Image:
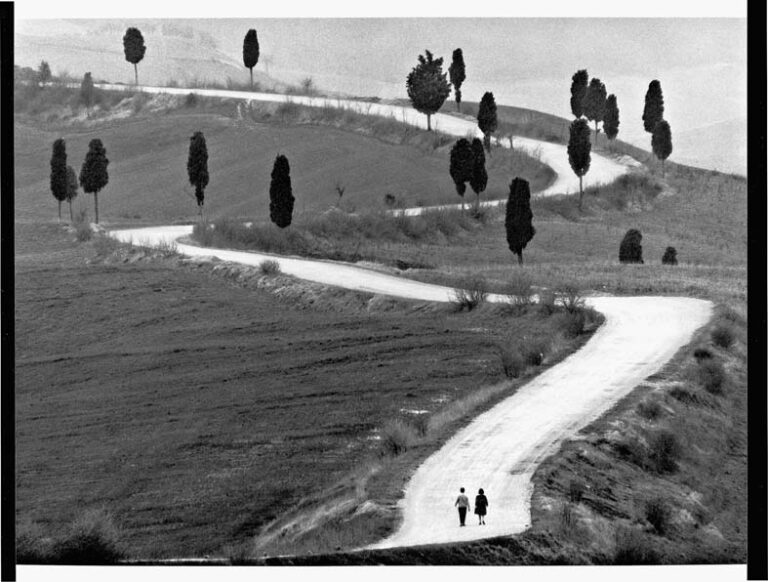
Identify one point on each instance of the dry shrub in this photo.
(520, 291)
(512, 361)
(573, 323)
(633, 548)
(576, 490)
(723, 336)
(650, 410)
(397, 436)
(472, 292)
(93, 539)
(664, 450)
(269, 267)
(657, 513)
(710, 375)
(547, 302)
(32, 547)
(82, 226)
(535, 351)
(571, 298)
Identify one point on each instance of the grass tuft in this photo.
(397, 436)
(93, 539)
(471, 293)
(269, 267)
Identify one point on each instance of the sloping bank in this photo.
(500, 449)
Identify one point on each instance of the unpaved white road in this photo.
(500, 449)
(602, 170)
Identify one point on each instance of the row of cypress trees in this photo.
(93, 174)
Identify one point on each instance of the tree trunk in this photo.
(71, 216)
(477, 204)
(251, 78)
(429, 122)
(96, 203)
(59, 210)
(581, 192)
(458, 105)
(662, 168)
(487, 141)
(595, 132)
(520, 258)
(136, 73)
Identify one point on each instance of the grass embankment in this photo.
(196, 412)
(368, 157)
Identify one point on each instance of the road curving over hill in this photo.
(602, 170)
(500, 449)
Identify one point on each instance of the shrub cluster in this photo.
(650, 410)
(723, 336)
(269, 267)
(397, 436)
(664, 450)
(657, 513)
(634, 548)
(471, 293)
(710, 375)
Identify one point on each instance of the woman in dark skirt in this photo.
(481, 504)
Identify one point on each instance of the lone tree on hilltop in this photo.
(44, 73)
(133, 46)
(653, 112)
(486, 118)
(593, 105)
(611, 118)
(251, 51)
(427, 86)
(670, 256)
(661, 142)
(59, 172)
(479, 179)
(462, 166)
(630, 250)
(458, 74)
(197, 168)
(280, 193)
(579, 83)
(93, 173)
(579, 148)
(71, 189)
(86, 93)
(519, 219)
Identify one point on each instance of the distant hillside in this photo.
(720, 146)
(174, 52)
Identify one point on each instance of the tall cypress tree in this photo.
(661, 142)
(280, 193)
(458, 75)
(593, 105)
(462, 166)
(71, 189)
(579, 83)
(93, 173)
(479, 179)
(427, 86)
(134, 49)
(197, 168)
(611, 119)
(579, 150)
(519, 219)
(251, 51)
(59, 172)
(486, 118)
(653, 112)
(86, 92)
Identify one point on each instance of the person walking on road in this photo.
(481, 504)
(462, 502)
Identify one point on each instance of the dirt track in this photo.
(500, 449)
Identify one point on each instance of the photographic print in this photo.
(431, 289)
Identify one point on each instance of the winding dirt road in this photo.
(500, 449)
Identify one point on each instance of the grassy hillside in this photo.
(147, 142)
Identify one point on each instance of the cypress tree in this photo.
(59, 172)
(86, 92)
(593, 105)
(661, 142)
(479, 179)
(93, 173)
(519, 217)
(134, 49)
(197, 168)
(462, 166)
(611, 119)
(458, 75)
(44, 72)
(427, 86)
(251, 51)
(630, 250)
(579, 83)
(653, 112)
(280, 193)
(486, 118)
(71, 189)
(579, 148)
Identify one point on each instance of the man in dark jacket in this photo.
(462, 502)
